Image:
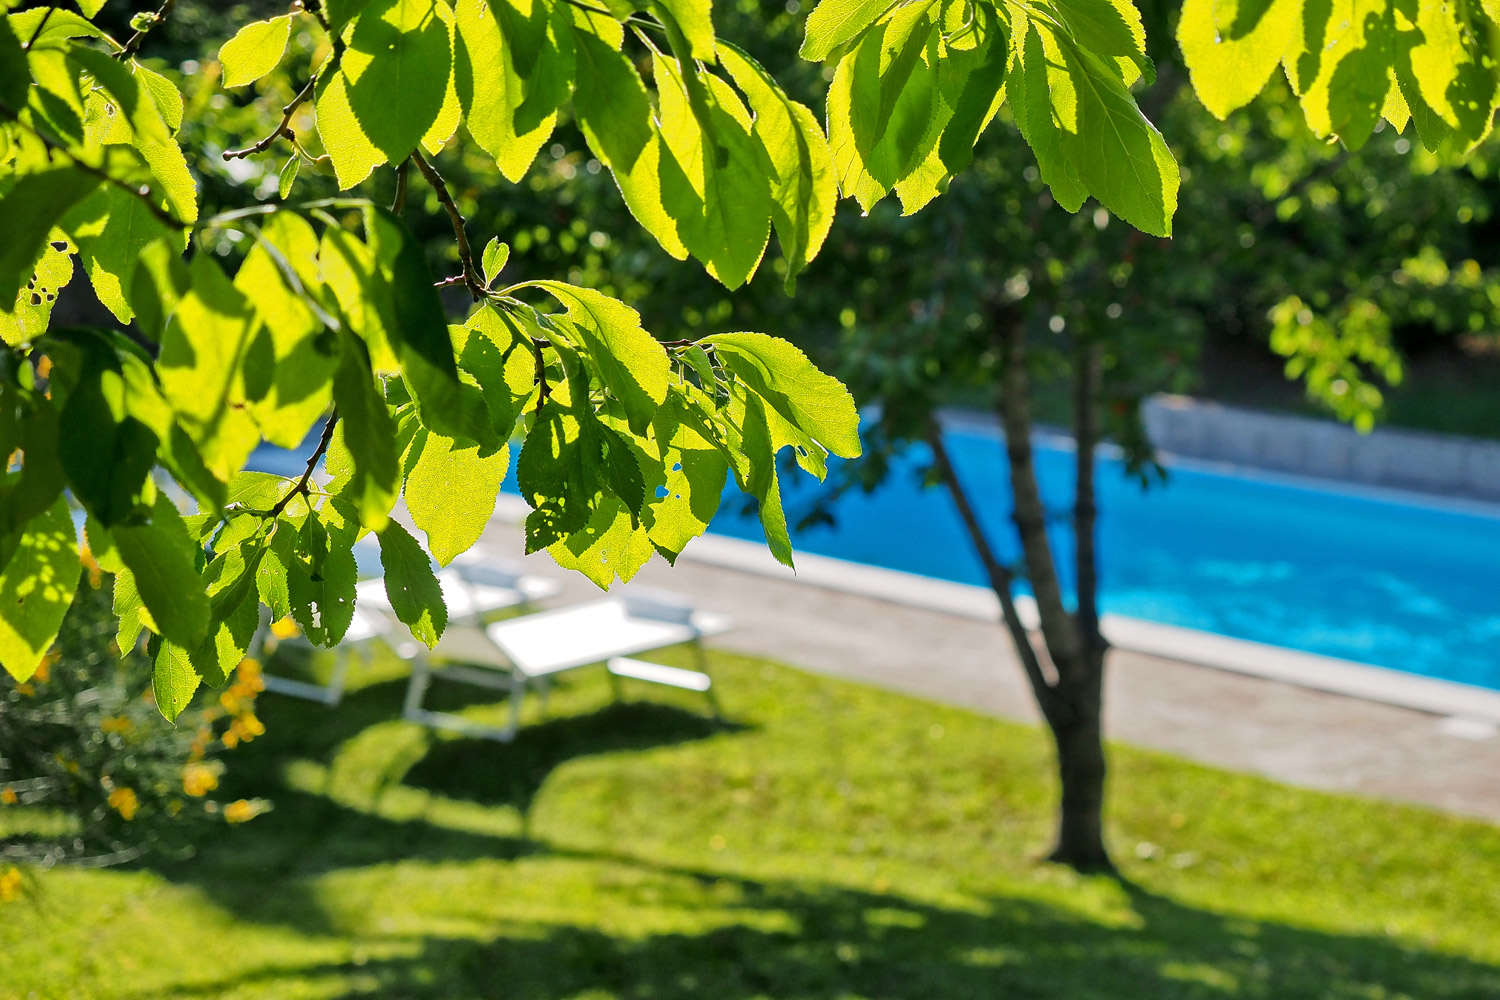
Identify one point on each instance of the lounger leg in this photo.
(416, 689)
(517, 692)
(335, 692)
(701, 656)
(544, 688)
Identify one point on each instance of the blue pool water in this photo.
(1393, 580)
(1386, 579)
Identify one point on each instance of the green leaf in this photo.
(255, 50)
(691, 473)
(202, 352)
(1343, 68)
(101, 416)
(27, 214)
(112, 229)
(758, 477)
(33, 306)
(805, 192)
(363, 456)
(559, 471)
(271, 576)
(59, 24)
(173, 679)
(814, 402)
(614, 112)
(1231, 47)
(416, 314)
(129, 610)
(414, 593)
(134, 103)
(1088, 134)
(291, 358)
(341, 12)
(632, 365)
(288, 176)
(521, 54)
(15, 78)
(835, 22)
(612, 544)
(389, 88)
(695, 20)
(91, 8)
(493, 262)
(36, 587)
(715, 179)
(450, 491)
(321, 577)
(161, 557)
(235, 607)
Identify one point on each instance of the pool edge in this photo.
(1173, 642)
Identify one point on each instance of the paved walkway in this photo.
(1242, 723)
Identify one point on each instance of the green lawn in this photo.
(833, 842)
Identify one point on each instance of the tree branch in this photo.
(1087, 377)
(133, 43)
(283, 129)
(399, 202)
(465, 252)
(312, 462)
(1058, 628)
(1002, 580)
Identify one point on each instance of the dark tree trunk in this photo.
(1078, 733)
(1071, 698)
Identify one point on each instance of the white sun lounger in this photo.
(512, 654)
(472, 588)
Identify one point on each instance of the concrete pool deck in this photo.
(1232, 720)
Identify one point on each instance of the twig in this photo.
(301, 488)
(465, 252)
(133, 43)
(285, 128)
(399, 202)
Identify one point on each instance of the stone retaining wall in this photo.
(1430, 463)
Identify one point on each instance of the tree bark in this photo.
(1081, 768)
(1072, 704)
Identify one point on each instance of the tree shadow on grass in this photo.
(788, 940)
(513, 773)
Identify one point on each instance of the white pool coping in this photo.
(1288, 666)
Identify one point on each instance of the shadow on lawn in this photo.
(776, 940)
(835, 943)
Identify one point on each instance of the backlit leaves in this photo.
(1352, 63)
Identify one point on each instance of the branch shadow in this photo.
(820, 942)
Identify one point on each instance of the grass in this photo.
(832, 842)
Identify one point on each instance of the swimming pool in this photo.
(1395, 580)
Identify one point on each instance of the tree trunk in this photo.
(1078, 733)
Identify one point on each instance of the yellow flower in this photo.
(116, 724)
(44, 669)
(10, 884)
(199, 779)
(124, 802)
(243, 810)
(25, 689)
(286, 629)
(8, 796)
(231, 701)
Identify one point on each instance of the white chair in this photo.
(472, 588)
(513, 654)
